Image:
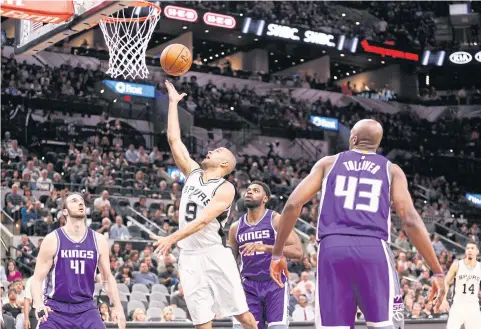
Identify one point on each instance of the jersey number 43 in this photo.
(351, 192)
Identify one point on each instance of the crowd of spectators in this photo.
(407, 23)
(278, 109)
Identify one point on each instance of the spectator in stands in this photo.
(303, 311)
(168, 314)
(125, 275)
(44, 183)
(102, 201)
(28, 216)
(427, 312)
(144, 275)
(438, 245)
(14, 202)
(402, 241)
(27, 195)
(169, 276)
(11, 306)
(12, 271)
(104, 311)
(105, 228)
(32, 171)
(118, 230)
(92, 182)
(139, 315)
(15, 153)
(178, 300)
(131, 155)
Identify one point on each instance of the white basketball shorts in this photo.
(212, 284)
(464, 313)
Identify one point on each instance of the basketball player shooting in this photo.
(66, 269)
(355, 267)
(208, 271)
(466, 275)
(254, 235)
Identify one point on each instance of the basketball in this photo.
(176, 59)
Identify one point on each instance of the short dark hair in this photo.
(473, 243)
(266, 188)
(64, 202)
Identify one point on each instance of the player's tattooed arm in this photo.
(107, 277)
(232, 239)
(180, 153)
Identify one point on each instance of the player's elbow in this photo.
(297, 254)
(292, 206)
(410, 219)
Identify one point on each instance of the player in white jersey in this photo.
(208, 271)
(466, 275)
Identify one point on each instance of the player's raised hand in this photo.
(438, 293)
(279, 266)
(163, 244)
(174, 95)
(41, 313)
(250, 248)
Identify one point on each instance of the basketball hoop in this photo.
(127, 36)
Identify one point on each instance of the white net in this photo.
(127, 34)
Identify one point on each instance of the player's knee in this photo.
(247, 320)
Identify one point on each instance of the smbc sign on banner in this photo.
(293, 33)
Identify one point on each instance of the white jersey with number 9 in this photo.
(196, 194)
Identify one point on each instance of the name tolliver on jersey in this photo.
(196, 195)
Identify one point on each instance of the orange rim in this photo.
(140, 3)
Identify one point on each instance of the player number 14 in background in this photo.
(78, 266)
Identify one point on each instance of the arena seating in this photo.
(123, 181)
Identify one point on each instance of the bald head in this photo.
(366, 135)
(231, 161)
(220, 158)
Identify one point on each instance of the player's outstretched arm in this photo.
(304, 192)
(232, 239)
(220, 202)
(412, 223)
(414, 227)
(179, 151)
(108, 279)
(447, 282)
(47, 252)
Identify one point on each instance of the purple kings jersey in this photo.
(70, 283)
(256, 266)
(356, 197)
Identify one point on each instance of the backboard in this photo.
(40, 24)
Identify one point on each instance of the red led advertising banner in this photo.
(388, 51)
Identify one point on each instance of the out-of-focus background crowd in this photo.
(64, 130)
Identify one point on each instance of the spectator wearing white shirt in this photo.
(44, 183)
(118, 229)
(303, 311)
(155, 155)
(32, 171)
(131, 155)
(102, 202)
(15, 152)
